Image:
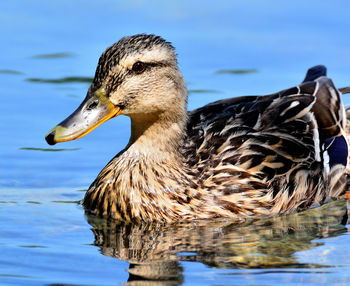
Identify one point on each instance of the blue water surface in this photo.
(49, 52)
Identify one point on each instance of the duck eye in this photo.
(138, 67)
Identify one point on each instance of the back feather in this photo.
(276, 140)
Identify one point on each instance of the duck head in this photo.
(138, 76)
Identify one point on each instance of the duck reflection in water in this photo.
(154, 250)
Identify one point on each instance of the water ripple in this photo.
(236, 71)
(53, 56)
(49, 149)
(62, 80)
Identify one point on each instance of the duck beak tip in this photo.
(50, 137)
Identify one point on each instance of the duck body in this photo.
(234, 158)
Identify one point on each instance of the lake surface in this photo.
(49, 52)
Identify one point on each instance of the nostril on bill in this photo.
(92, 105)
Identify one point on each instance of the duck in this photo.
(235, 158)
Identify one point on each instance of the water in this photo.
(49, 52)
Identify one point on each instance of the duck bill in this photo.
(91, 113)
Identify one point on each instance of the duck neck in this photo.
(157, 133)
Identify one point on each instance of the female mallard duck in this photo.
(233, 158)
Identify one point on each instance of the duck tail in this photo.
(330, 114)
(328, 108)
(346, 133)
(345, 90)
(315, 72)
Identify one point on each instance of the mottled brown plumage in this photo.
(233, 158)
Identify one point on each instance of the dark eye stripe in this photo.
(137, 67)
(116, 79)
